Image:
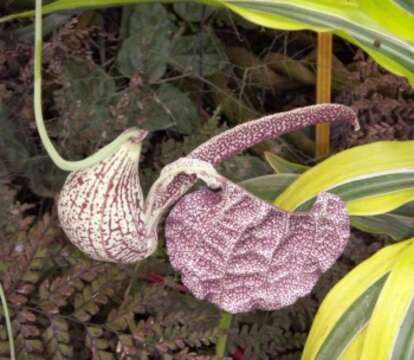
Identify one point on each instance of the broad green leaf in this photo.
(351, 323)
(370, 187)
(192, 12)
(381, 203)
(50, 24)
(404, 345)
(386, 337)
(186, 57)
(387, 35)
(383, 168)
(395, 15)
(169, 107)
(91, 87)
(398, 227)
(346, 309)
(405, 210)
(280, 165)
(147, 49)
(267, 187)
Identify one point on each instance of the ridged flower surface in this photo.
(101, 208)
(243, 254)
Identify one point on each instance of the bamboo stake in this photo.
(323, 89)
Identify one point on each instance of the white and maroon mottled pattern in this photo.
(101, 208)
(243, 254)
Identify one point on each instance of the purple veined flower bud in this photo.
(101, 208)
(242, 253)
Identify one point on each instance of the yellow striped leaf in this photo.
(386, 337)
(347, 308)
(354, 349)
(364, 172)
(391, 44)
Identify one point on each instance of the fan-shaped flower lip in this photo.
(244, 254)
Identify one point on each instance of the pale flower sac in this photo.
(103, 211)
(101, 208)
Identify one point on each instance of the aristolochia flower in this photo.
(231, 247)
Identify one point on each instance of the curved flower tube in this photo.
(102, 208)
(233, 141)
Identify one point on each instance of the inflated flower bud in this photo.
(101, 208)
(103, 211)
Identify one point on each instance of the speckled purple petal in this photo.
(243, 254)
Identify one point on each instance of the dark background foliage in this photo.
(185, 72)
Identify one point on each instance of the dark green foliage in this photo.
(148, 45)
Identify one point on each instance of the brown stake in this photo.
(323, 89)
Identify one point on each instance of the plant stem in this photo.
(8, 323)
(224, 326)
(63, 164)
(323, 89)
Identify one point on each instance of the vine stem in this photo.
(8, 323)
(60, 162)
(224, 326)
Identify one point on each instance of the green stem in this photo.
(63, 164)
(224, 326)
(8, 323)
